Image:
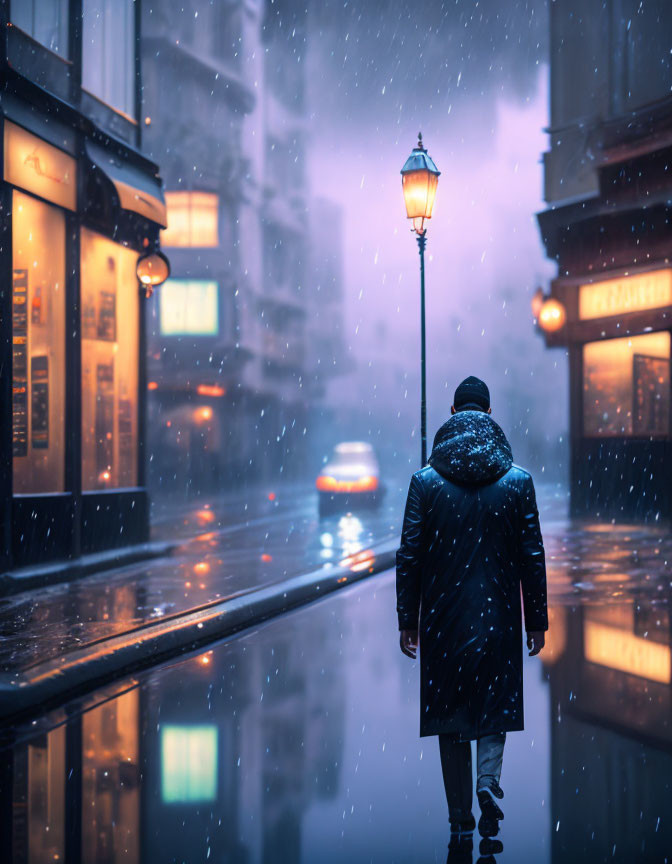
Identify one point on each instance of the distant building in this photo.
(79, 202)
(198, 93)
(280, 372)
(229, 366)
(608, 184)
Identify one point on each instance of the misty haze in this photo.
(337, 431)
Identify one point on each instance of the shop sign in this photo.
(626, 294)
(38, 167)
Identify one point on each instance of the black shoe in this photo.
(460, 849)
(488, 824)
(463, 826)
(490, 846)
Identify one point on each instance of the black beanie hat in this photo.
(472, 395)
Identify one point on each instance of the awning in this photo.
(138, 191)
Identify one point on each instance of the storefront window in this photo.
(110, 315)
(108, 52)
(38, 346)
(192, 219)
(45, 20)
(626, 386)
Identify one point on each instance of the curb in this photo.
(41, 576)
(50, 684)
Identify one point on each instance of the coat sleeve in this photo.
(533, 562)
(409, 559)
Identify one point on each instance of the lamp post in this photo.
(419, 179)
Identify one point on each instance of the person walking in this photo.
(470, 540)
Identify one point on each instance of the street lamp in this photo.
(152, 269)
(552, 315)
(419, 179)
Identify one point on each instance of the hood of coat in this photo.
(471, 449)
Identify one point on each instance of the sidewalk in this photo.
(68, 637)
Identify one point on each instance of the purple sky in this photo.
(484, 259)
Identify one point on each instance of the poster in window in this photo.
(107, 303)
(89, 325)
(36, 307)
(651, 395)
(126, 450)
(104, 422)
(20, 362)
(39, 402)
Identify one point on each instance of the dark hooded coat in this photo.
(470, 540)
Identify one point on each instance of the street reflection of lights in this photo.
(349, 527)
(266, 557)
(342, 579)
(205, 659)
(205, 515)
(202, 567)
(208, 537)
(618, 649)
(360, 561)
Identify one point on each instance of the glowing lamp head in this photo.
(419, 180)
(152, 270)
(552, 316)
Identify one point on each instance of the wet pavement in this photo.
(297, 741)
(230, 545)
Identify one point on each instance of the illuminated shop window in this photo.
(188, 764)
(109, 303)
(626, 386)
(38, 346)
(45, 20)
(108, 52)
(188, 308)
(192, 219)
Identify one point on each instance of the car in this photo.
(350, 479)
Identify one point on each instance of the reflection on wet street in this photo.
(298, 741)
(229, 547)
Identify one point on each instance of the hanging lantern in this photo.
(152, 269)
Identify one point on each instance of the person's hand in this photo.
(536, 640)
(408, 642)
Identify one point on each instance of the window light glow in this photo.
(192, 219)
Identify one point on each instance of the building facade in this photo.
(79, 203)
(224, 115)
(608, 185)
(200, 104)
